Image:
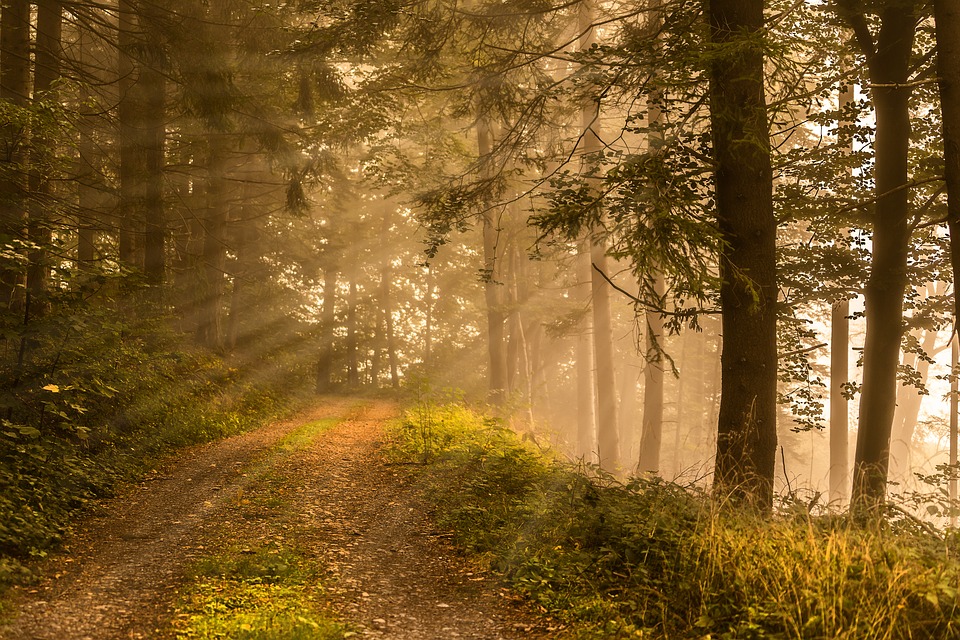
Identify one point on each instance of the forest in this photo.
(705, 246)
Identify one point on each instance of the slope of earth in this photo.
(388, 572)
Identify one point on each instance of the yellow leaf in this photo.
(52, 388)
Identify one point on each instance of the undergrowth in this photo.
(263, 593)
(97, 400)
(656, 560)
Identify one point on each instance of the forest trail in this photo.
(389, 572)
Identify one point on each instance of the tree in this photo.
(46, 73)
(608, 427)
(15, 92)
(746, 433)
(888, 63)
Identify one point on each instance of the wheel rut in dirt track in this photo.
(389, 572)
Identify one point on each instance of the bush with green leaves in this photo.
(92, 396)
(648, 558)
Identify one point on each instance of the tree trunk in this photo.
(46, 73)
(608, 428)
(353, 373)
(652, 430)
(608, 434)
(909, 403)
(209, 322)
(14, 88)
(327, 320)
(629, 399)
(154, 134)
(747, 423)
(954, 422)
(839, 378)
(496, 347)
(586, 407)
(90, 187)
(883, 297)
(130, 112)
(386, 306)
(428, 317)
(947, 16)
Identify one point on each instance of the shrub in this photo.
(653, 559)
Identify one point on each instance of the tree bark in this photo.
(327, 320)
(747, 423)
(14, 88)
(353, 372)
(89, 174)
(496, 346)
(154, 135)
(608, 428)
(608, 434)
(46, 73)
(651, 433)
(839, 378)
(130, 112)
(888, 63)
(947, 16)
(386, 306)
(586, 407)
(209, 322)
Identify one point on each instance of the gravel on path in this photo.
(390, 573)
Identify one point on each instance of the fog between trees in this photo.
(705, 242)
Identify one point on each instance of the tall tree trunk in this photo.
(14, 88)
(327, 321)
(608, 428)
(954, 421)
(586, 407)
(947, 16)
(888, 62)
(209, 323)
(130, 114)
(840, 376)
(909, 403)
(386, 306)
(154, 135)
(493, 295)
(46, 73)
(90, 187)
(428, 317)
(353, 372)
(629, 400)
(652, 430)
(747, 424)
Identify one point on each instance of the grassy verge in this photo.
(654, 560)
(251, 593)
(262, 585)
(111, 410)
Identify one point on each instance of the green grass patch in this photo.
(655, 560)
(265, 593)
(302, 436)
(260, 586)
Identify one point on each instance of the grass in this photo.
(652, 559)
(260, 586)
(264, 593)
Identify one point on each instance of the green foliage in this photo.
(253, 594)
(653, 559)
(90, 399)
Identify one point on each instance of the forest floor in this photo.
(386, 570)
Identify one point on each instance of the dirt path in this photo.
(391, 574)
